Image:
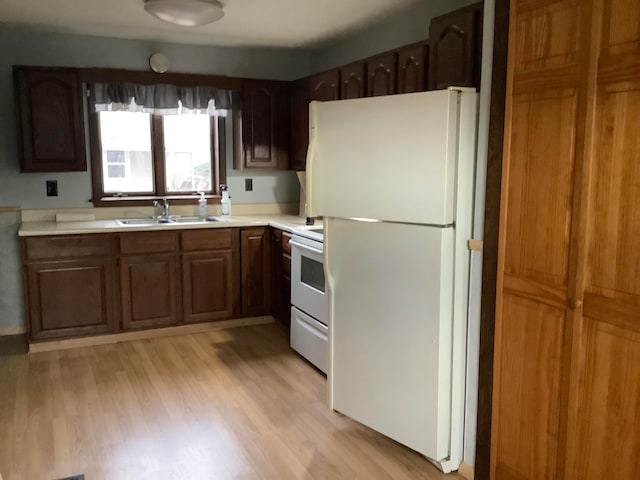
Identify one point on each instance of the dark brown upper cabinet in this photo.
(299, 133)
(455, 48)
(50, 119)
(381, 75)
(412, 62)
(261, 125)
(353, 79)
(325, 86)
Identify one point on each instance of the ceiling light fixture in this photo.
(186, 13)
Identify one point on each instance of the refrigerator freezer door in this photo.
(388, 158)
(390, 309)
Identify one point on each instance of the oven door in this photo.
(307, 278)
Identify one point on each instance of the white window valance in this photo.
(161, 99)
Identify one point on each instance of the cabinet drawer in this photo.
(286, 247)
(151, 242)
(69, 246)
(214, 239)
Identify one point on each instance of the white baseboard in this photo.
(17, 330)
(466, 470)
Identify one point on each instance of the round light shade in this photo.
(186, 13)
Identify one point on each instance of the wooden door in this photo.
(325, 86)
(149, 290)
(381, 75)
(352, 81)
(412, 68)
(567, 348)
(261, 128)
(256, 271)
(70, 298)
(455, 46)
(49, 105)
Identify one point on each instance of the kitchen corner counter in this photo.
(34, 229)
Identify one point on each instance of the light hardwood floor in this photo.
(234, 403)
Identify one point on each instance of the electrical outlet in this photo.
(248, 184)
(52, 188)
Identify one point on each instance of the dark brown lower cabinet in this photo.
(70, 298)
(281, 276)
(255, 257)
(150, 294)
(210, 275)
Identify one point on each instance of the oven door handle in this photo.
(305, 247)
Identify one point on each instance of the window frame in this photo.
(100, 198)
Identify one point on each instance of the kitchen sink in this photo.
(164, 221)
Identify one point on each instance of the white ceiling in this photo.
(276, 23)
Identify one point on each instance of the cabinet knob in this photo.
(575, 304)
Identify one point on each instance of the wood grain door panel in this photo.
(70, 298)
(149, 291)
(324, 87)
(536, 197)
(353, 81)
(614, 253)
(609, 433)
(208, 286)
(381, 75)
(412, 68)
(454, 48)
(529, 401)
(51, 120)
(256, 271)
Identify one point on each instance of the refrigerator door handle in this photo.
(311, 155)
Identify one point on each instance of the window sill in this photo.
(139, 200)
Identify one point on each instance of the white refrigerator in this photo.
(393, 178)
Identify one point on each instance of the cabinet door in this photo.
(353, 79)
(49, 104)
(280, 276)
(149, 291)
(261, 126)
(256, 272)
(299, 128)
(70, 298)
(208, 286)
(381, 75)
(412, 68)
(325, 86)
(455, 43)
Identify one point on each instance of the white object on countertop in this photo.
(202, 206)
(75, 217)
(225, 203)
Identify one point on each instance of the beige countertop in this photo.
(33, 229)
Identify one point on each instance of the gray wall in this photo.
(19, 46)
(409, 26)
(11, 307)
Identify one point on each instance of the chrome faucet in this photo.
(163, 208)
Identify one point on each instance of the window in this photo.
(172, 151)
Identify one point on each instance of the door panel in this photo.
(547, 37)
(529, 403)
(614, 252)
(535, 196)
(609, 433)
(621, 27)
(149, 293)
